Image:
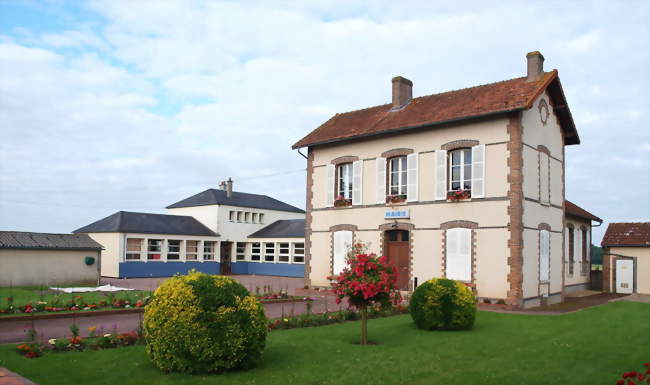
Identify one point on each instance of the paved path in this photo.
(11, 378)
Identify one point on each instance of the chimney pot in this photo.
(535, 66)
(229, 187)
(402, 91)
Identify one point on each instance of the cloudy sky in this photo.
(134, 105)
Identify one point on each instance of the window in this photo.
(256, 251)
(133, 248)
(283, 252)
(232, 216)
(261, 218)
(460, 169)
(397, 176)
(173, 249)
(240, 252)
(154, 248)
(344, 181)
(239, 213)
(247, 217)
(208, 250)
(544, 255)
(571, 250)
(191, 250)
(459, 254)
(298, 253)
(254, 217)
(269, 252)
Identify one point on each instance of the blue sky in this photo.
(123, 105)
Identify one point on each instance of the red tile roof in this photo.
(577, 211)
(453, 106)
(627, 234)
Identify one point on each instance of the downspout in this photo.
(303, 155)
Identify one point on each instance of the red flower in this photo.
(620, 382)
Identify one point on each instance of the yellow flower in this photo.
(286, 320)
(92, 328)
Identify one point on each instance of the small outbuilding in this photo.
(626, 258)
(28, 258)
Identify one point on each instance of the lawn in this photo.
(33, 294)
(593, 346)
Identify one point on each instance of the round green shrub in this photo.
(443, 304)
(200, 323)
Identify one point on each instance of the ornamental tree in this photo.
(367, 280)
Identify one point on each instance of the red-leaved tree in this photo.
(367, 280)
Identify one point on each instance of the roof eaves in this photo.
(407, 128)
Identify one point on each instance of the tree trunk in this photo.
(364, 325)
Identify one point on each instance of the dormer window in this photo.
(397, 176)
(460, 169)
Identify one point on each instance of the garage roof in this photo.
(147, 223)
(29, 240)
(286, 228)
(627, 234)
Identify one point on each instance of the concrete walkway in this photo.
(10, 378)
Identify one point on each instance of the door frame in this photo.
(225, 265)
(384, 245)
(629, 260)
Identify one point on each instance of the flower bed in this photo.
(342, 202)
(97, 339)
(458, 195)
(395, 198)
(75, 303)
(320, 319)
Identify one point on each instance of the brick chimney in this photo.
(535, 66)
(402, 92)
(229, 187)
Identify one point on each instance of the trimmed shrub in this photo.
(443, 304)
(200, 323)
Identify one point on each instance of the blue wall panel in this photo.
(165, 269)
(279, 269)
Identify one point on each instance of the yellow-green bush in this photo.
(204, 323)
(443, 304)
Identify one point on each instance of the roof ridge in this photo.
(36, 232)
(444, 93)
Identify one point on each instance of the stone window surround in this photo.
(547, 227)
(465, 225)
(458, 144)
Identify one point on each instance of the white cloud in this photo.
(88, 112)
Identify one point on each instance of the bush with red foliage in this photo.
(631, 377)
(367, 280)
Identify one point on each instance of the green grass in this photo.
(593, 346)
(26, 294)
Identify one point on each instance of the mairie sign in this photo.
(396, 214)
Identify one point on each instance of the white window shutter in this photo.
(588, 244)
(357, 182)
(342, 243)
(544, 255)
(566, 244)
(441, 175)
(478, 171)
(459, 254)
(331, 172)
(381, 179)
(412, 177)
